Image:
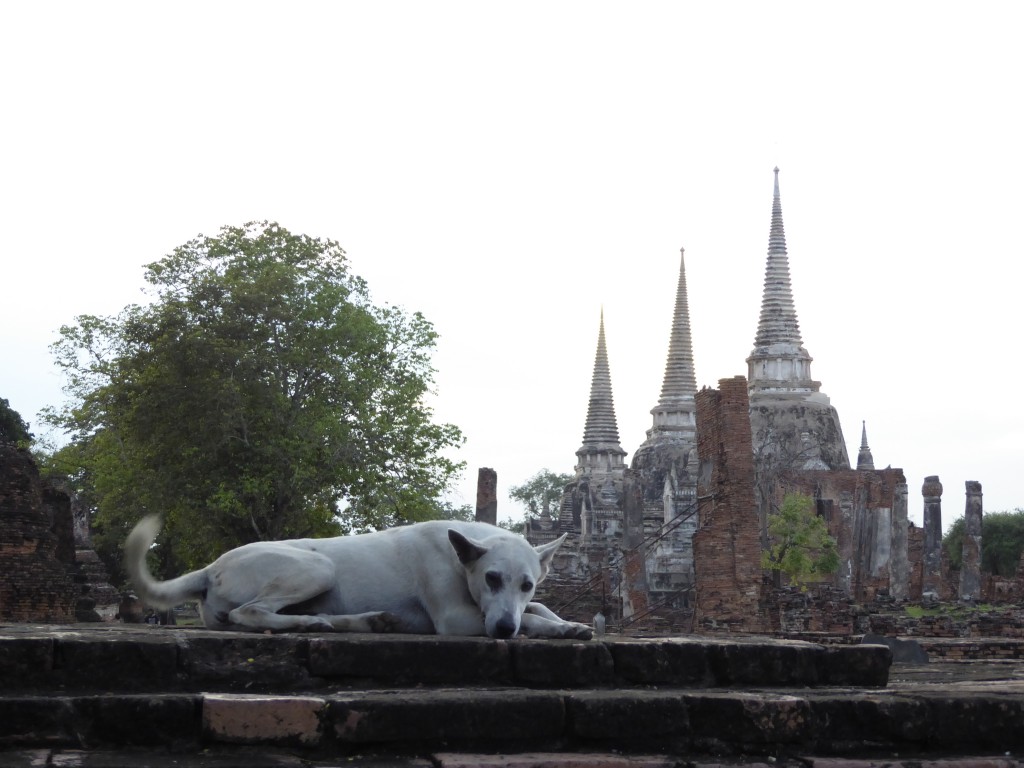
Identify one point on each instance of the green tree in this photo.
(259, 395)
(1002, 542)
(801, 546)
(13, 428)
(542, 491)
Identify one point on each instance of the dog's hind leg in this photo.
(275, 579)
(374, 621)
(262, 613)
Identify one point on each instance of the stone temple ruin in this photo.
(49, 572)
(673, 540)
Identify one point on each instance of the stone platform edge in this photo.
(165, 659)
(410, 722)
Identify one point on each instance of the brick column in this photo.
(899, 572)
(970, 569)
(487, 496)
(931, 581)
(726, 546)
(636, 593)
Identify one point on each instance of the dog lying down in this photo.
(443, 577)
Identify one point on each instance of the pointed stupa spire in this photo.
(601, 448)
(779, 360)
(790, 417)
(864, 458)
(680, 380)
(778, 314)
(675, 410)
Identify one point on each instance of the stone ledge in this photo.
(165, 659)
(840, 722)
(237, 758)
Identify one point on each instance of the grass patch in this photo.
(952, 610)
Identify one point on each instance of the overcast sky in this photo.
(509, 169)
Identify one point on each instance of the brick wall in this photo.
(35, 586)
(858, 507)
(726, 546)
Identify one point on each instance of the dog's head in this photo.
(502, 572)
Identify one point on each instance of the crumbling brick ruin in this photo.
(726, 546)
(866, 512)
(36, 544)
(48, 569)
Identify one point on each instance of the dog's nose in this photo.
(505, 628)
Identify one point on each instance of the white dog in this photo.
(444, 577)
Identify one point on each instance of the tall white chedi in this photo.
(666, 461)
(792, 420)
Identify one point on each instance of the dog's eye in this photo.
(527, 586)
(493, 580)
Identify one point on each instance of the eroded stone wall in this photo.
(35, 584)
(860, 507)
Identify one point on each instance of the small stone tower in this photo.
(864, 458)
(793, 423)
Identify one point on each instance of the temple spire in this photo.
(675, 410)
(601, 449)
(778, 314)
(778, 361)
(680, 381)
(791, 419)
(864, 458)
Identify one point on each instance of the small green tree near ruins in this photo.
(800, 544)
(542, 491)
(1002, 542)
(259, 395)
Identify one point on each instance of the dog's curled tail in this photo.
(159, 594)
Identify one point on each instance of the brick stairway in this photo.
(156, 696)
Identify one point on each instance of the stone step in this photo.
(974, 720)
(239, 758)
(125, 658)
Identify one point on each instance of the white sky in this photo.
(509, 169)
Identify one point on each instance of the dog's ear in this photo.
(546, 553)
(469, 551)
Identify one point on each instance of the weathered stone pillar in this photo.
(487, 496)
(636, 590)
(970, 569)
(846, 543)
(931, 583)
(899, 572)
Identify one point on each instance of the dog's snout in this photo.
(505, 628)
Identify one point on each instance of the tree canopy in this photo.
(13, 428)
(801, 546)
(259, 395)
(1002, 542)
(542, 491)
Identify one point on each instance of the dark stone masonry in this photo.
(37, 552)
(149, 696)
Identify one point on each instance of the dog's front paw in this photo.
(384, 621)
(317, 624)
(576, 631)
